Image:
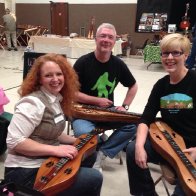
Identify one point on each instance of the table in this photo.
(152, 54)
(72, 47)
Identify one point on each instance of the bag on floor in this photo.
(12, 189)
(3, 134)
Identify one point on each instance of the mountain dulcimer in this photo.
(99, 114)
(57, 174)
(169, 145)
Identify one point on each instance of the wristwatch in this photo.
(125, 106)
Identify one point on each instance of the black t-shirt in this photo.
(177, 104)
(100, 79)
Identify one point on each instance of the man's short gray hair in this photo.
(107, 26)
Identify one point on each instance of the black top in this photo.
(100, 79)
(177, 104)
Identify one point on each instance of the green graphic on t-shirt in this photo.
(101, 85)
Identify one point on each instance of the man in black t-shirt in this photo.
(99, 73)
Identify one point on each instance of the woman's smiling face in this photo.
(173, 59)
(51, 77)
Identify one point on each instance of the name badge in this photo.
(58, 118)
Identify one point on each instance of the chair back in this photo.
(168, 173)
(3, 134)
(145, 43)
(5, 119)
(2, 37)
(140, 49)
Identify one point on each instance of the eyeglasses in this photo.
(103, 36)
(173, 53)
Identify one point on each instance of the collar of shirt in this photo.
(52, 98)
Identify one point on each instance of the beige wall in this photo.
(121, 15)
(33, 14)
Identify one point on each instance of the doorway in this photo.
(59, 18)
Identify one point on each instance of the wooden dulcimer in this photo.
(99, 114)
(169, 145)
(57, 174)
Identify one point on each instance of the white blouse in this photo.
(28, 115)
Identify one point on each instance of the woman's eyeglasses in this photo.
(173, 53)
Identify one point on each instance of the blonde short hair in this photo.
(174, 40)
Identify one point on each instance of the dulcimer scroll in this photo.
(169, 145)
(99, 114)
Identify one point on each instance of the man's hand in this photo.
(120, 108)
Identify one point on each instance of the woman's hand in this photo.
(32, 148)
(140, 152)
(141, 157)
(66, 151)
(192, 152)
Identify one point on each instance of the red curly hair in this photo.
(71, 83)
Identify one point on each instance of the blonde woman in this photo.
(178, 85)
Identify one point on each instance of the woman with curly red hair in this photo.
(36, 129)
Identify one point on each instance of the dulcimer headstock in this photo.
(97, 131)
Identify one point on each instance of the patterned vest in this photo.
(47, 131)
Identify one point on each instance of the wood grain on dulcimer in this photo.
(94, 113)
(57, 174)
(170, 145)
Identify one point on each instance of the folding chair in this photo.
(1, 42)
(20, 35)
(140, 49)
(2, 37)
(5, 119)
(30, 32)
(167, 174)
(41, 30)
